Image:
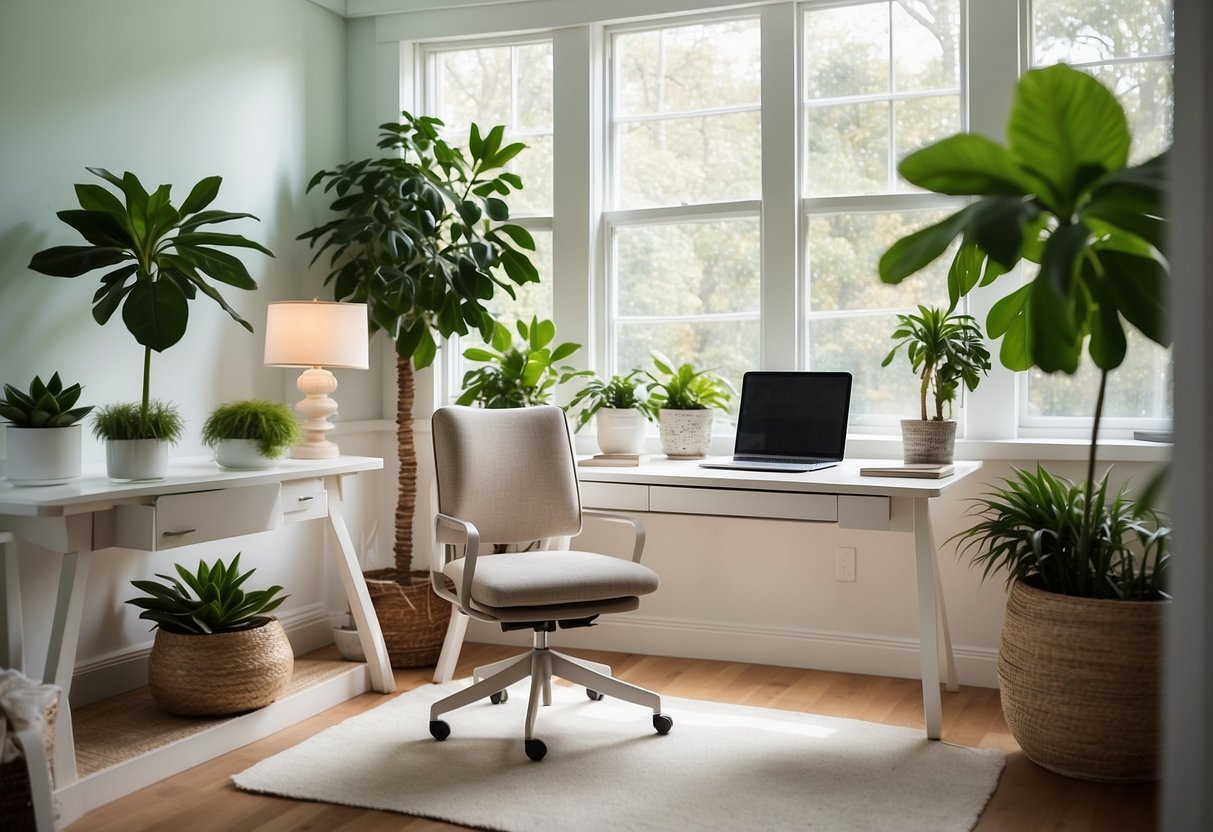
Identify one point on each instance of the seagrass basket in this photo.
(928, 441)
(16, 797)
(220, 673)
(412, 617)
(1080, 683)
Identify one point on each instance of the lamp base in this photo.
(324, 450)
(316, 407)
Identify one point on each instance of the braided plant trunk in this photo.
(406, 451)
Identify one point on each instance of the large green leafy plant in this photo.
(162, 254)
(422, 236)
(208, 600)
(944, 350)
(518, 374)
(1061, 198)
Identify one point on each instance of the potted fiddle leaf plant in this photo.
(43, 433)
(518, 374)
(945, 350)
(162, 258)
(1079, 661)
(619, 407)
(422, 236)
(217, 649)
(684, 400)
(251, 433)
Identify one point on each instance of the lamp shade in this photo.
(316, 333)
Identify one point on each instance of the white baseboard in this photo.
(308, 628)
(841, 652)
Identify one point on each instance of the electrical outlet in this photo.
(844, 563)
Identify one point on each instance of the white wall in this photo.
(174, 91)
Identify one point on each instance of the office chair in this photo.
(509, 477)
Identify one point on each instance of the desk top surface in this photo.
(197, 473)
(843, 478)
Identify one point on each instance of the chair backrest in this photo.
(510, 472)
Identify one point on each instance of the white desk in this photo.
(196, 502)
(832, 495)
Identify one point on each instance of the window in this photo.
(1129, 46)
(684, 182)
(881, 79)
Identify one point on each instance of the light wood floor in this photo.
(1028, 798)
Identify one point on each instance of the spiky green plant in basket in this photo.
(46, 405)
(218, 604)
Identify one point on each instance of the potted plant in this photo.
(163, 258)
(43, 433)
(137, 438)
(422, 236)
(945, 350)
(620, 409)
(251, 433)
(1081, 643)
(518, 375)
(684, 400)
(217, 650)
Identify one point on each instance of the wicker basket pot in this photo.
(412, 617)
(928, 441)
(1080, 683)
(220, 673)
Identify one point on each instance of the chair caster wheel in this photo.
(594, 695)
(662, 723)
(535, 749)
(499, 697)
(440, 730)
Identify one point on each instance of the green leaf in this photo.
(914, 251)
(1107, 345)
(97, 227)
(202, 195)
(1006, 310)
(1015, 351)
(206, 238)
(73, 261)
(218, 264)
(97, 198)
(1060, 259)
(967, 164)
(997, 225)
(156, 313)
(1137, 286)
(1055, 340)
(519, 235)
(496, 209)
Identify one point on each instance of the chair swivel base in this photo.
(541, 664)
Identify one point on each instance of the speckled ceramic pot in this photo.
(685, 434)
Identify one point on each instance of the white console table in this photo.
(196, 502)
(832, 495)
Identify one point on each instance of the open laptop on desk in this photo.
(790, 421)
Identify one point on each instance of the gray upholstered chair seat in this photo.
(552, 577)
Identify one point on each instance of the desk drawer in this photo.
(737, 503)
(304, 500)
(615, 495)
(183, 519)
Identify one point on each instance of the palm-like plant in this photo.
(518, 375)
(944, 351)
(218, 604)
(423, 238)
(165, 257)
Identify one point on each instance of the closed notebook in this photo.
(910, 469)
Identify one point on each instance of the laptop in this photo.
(790, 421)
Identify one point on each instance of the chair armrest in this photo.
(451, 532)
(611, 517)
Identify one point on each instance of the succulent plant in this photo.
(46, 405)
(218, 604)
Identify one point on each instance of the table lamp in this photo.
(316, 334)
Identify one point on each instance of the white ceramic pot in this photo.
(348, 644)
(241, 455)
(136, 459)
(686, 434)
(620, 430)
(42, 456)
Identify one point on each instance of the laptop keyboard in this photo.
(779, 460)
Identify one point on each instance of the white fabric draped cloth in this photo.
(24, 704)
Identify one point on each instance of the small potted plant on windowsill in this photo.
(945, 350)
(684, 400)
(518, 375)
(137, 437)
(218, 650)
(619, 407)
(43, 434)
(251, 433)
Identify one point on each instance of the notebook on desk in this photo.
(790, 421)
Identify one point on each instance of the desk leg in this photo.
(451, 645)
(949, 657)
(928, 625)
(356, 592)
(61, 655)
(11, 649)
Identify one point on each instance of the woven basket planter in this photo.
(1080, 682)
(412, 617)
(221, 673)
(928, 441)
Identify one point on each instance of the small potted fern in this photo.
(684, 400)
(619, 407)
(217, 650)
(43, 433)
(251, 433)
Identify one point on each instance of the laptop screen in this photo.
(800, 414)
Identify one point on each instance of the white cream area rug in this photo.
(722, 767)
